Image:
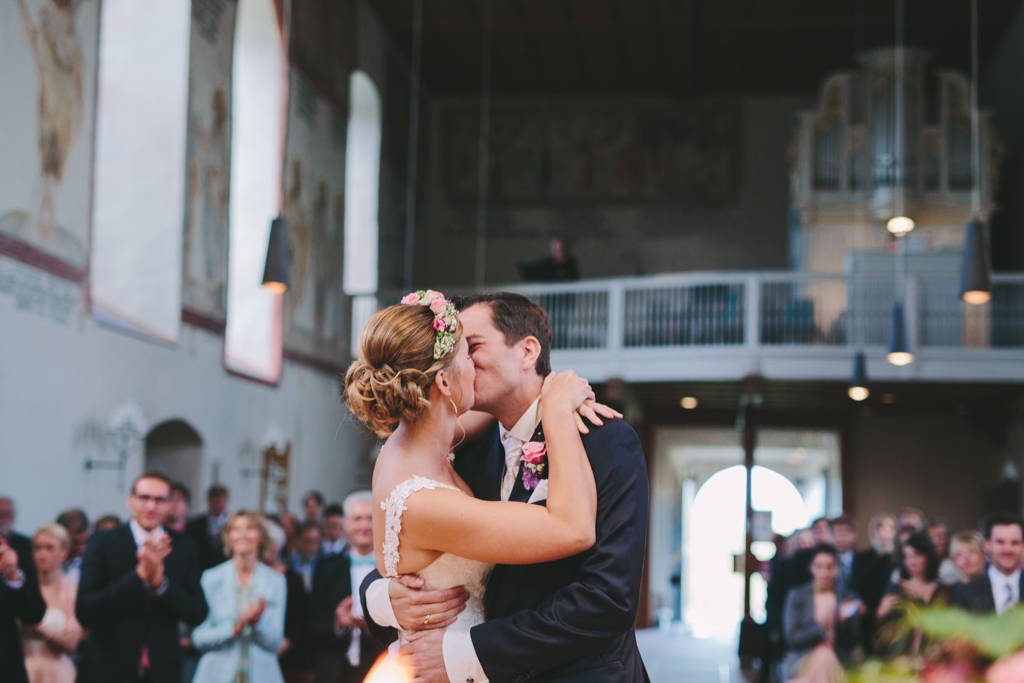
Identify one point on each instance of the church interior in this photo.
(756, 228)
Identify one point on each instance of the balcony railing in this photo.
(781, 324)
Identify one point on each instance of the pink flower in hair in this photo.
(438, 306)
(438, 324)
(410, 299)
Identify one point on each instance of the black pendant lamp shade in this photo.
(976, 275)
(858, 390)
(899, 348)
(276, 275)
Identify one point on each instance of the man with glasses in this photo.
(138, 581)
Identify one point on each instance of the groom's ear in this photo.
(531, 352)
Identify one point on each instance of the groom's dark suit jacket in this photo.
(571, 620)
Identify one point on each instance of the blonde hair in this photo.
(59, 534)
(969, 538)
(391, 380)
(256, 519)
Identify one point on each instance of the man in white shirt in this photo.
(999, 588)
(347, 651)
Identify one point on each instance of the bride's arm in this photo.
(518, 533)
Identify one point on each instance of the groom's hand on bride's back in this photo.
(413, 604)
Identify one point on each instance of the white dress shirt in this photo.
(329, 547)
(359, 567)
(1004, 588)
(460, 658)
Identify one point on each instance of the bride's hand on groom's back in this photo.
(578, 395)
(413, 604)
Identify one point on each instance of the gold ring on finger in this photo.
(426, 622)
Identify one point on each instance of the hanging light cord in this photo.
(975, 118)
(898, 141)
(483, 158)
(414, 136)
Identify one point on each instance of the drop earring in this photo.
(456, 409)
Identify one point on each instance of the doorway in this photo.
(175, 449)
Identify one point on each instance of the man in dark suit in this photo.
(20, 600)
(570, 620)
(206, 530)
(138, 582)
(1000, 587)
(346, 648)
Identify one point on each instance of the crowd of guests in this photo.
(224, 597)
(830, 605)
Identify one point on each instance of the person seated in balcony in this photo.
(821, 621)
(558, 265)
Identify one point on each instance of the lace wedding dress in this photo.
(447, 571)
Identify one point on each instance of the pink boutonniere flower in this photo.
(534, 463)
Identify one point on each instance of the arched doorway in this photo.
(716, 532)
(175, 449)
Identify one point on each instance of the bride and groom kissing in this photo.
(520, 557)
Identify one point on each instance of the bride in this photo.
(412, 382)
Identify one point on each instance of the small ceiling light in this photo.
(899, 349)
(858, 390)
(976, 273)
(900, 225)
(688, 402)
(276, 275)
(888, 399)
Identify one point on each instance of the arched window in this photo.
(253, 337)
(139, 181)
(362, 185)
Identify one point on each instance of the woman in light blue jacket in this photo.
(245, 626)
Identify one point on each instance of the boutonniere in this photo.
(534, 462)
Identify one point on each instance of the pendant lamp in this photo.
(899, 349)
(276, 273)
(976, 275)
(858, 390)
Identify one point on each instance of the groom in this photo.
(571, 620)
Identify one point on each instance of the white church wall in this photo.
(62, 376)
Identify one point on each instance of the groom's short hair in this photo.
(517, 318)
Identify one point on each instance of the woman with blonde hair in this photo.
(245, 625)
(50, 644)
(967, 550)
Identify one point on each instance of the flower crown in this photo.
(444, 318)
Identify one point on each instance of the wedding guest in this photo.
(999, 588)
(910, 517)
(245, 626)
(177, 515)
(346, 649)
(919, 578)
(307, 552)
(844, 540)
(938, 534)
(289, 524)
(50, 644)
(76, 523)
(873, 572)
(313, 505)
(968, 552)
(20, 601)
(207, 530)
(883, 533)
(820, 615)
(295, 653)
(20, 543)
(800, 564)
(334, 531)
(138, 582)
(106, 522)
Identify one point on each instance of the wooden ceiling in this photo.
(675, 48)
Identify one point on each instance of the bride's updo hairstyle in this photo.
(396, 367)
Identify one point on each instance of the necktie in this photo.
(1010, 601)
(513, 451)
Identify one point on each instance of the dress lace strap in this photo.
(393, 508)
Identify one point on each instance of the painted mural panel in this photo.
(205, 258)
(594, 153)
(48, 49)
(314, 208)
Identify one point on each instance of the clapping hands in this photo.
(345, 619)
(8, 561)
(151, 556)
